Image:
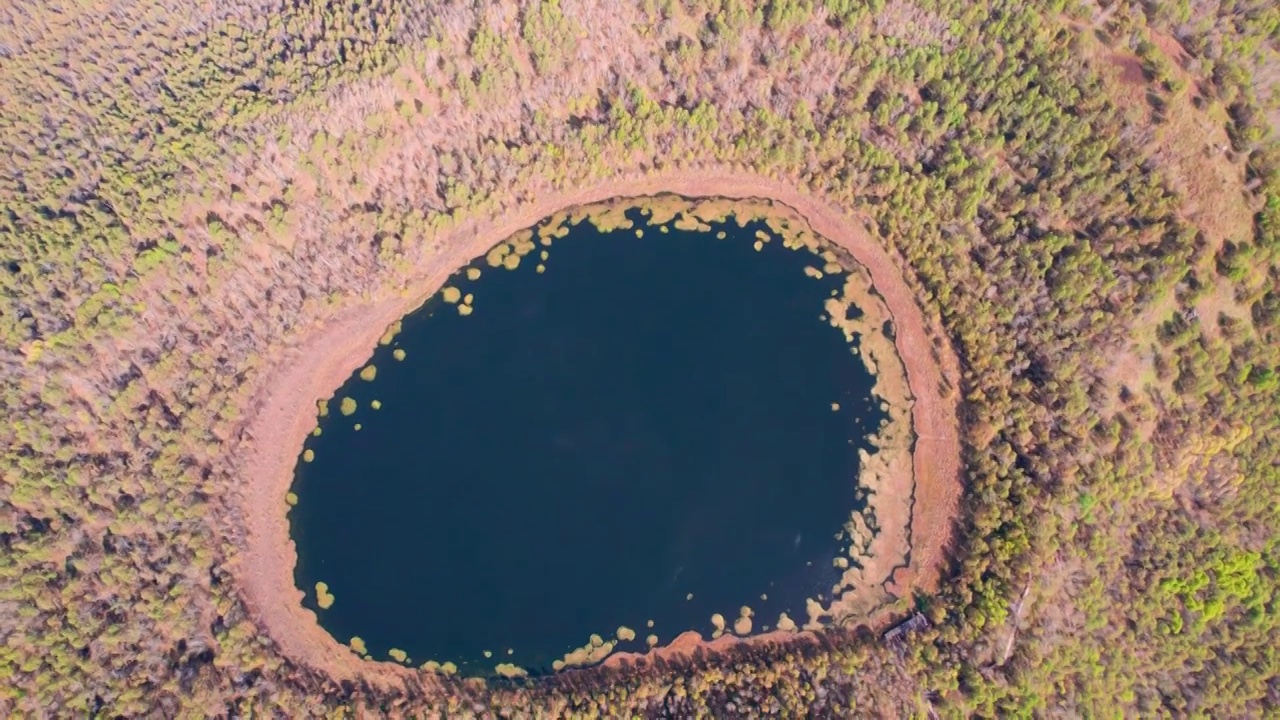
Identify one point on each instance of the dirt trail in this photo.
(318, 363)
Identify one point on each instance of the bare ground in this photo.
(316, 364)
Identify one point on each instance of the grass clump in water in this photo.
(390, 334)
(511, 671)
(324, 598)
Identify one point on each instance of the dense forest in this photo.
(1085, 194)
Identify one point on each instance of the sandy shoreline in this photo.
(313, 367)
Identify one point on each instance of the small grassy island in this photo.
(297, 308)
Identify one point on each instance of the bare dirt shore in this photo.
(320, 360)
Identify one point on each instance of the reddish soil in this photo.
(1130, 66)
(315, 365)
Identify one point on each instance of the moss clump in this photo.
(626, 634)
(449, 668)
(464, 310)
(785, 623)
(324, 598)
(451, 294)
(522, 242)
(358, 427)
(835, 407)
(497, 255)
(511, 262)
(291, 498)
(316, 431)
(357, 644)
(511, 671)
(473, 274)
(368, 373)
(348, 406)
(541, 268)
(398, 353)
(593, 652)
(322, 407)
(398, 655)
(652, 640)
(488, 653)
(308, 455)
(376, 404)
(390, 334)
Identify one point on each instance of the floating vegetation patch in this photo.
(511, 671)
(690, 423)
(323, 597)
(390, 334)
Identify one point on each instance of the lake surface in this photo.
(647, 419)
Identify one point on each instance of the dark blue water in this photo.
(648, 418)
